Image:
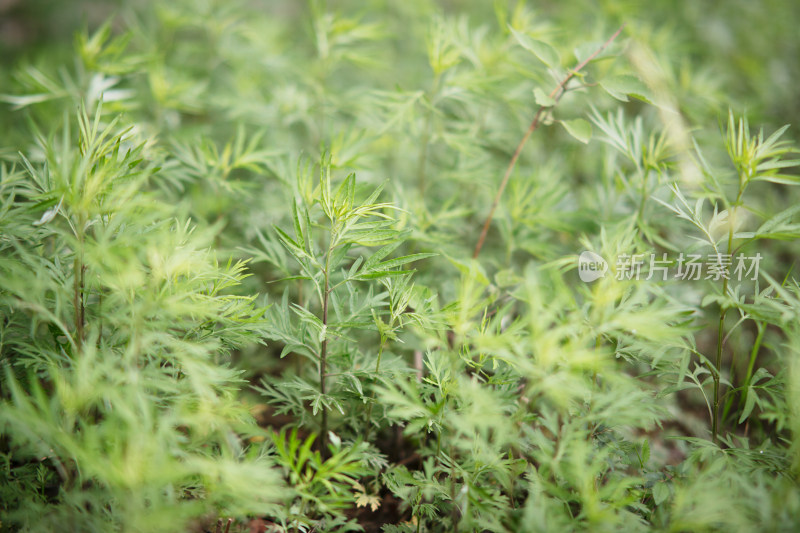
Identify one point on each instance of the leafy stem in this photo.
(79, 270)
(717, 364)
(372, 398)
(555, 96)
(323, 352)
(722, 313)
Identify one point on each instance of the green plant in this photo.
(478, 334)
(324, 486)
(117, 318)
(754, 159)
(334, 271)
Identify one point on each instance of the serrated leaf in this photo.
(772, 164)
(545, 52)
(288, 278)
(666, 391)
(379, 254)
(50, 214)
(713, 298)
(338, 255)
(620, 87)
(345, 194)
(543, 99)
(289, 348)
(364, 500)
(660, 493)
(356, 383)
(289, 243)
(308, 317)
(775, 221)
(377, 274)
(748, 404)
(354, 268)
(298, 232)
(782, 179)
(578, 128)
(374, 195)
(760, 374)
(374, 237)
(398, 261)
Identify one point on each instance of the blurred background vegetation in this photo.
(747, 48)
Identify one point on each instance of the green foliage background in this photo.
(237, 275)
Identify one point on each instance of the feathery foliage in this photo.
(402, 267)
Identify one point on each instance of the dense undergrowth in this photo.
(244, 285)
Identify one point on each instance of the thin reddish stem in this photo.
(555, 95)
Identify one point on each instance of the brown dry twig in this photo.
(555, 95)
(219, 529)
